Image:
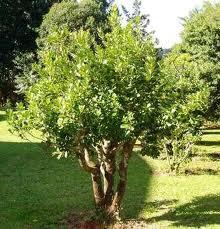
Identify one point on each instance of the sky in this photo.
(165, 17)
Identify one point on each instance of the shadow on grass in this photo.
(3, 117)
(138, 187)
(201, 212)
(208, 143)
(39, 191)
(201, 171)
(214, 156)
(211, 132)
(160, 204)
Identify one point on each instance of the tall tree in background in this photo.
(71, 14)
(18, 20)
(201, 39)
(136, 14)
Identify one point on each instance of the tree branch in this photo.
(86, 163)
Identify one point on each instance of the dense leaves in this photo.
(184, 102)
(201, 39)
(72, 14)
(19, 21)
(93, 100)
(106, 92)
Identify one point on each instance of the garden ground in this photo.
(37, 191)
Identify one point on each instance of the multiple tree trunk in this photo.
(107, 196)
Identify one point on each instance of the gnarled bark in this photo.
(108, 178)
(104, 195)
(123, 169)
(88, 165)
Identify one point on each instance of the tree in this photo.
(136, 14)
(74, 15)
(71, 14)
(18, 21)
(94, 104)
(25, 76)
(201, 39)
(184, 103)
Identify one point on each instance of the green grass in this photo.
(210, 142)
(37, 191)
(207, 158)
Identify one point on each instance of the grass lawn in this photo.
(37, 191)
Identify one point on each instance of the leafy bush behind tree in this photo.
(184, 102)
(201, 39)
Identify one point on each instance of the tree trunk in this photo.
(109, 172)
(94, 169)
(113, 210)
(106, 199)
(97, 189)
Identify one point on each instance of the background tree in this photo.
(74, 15)
(184, 99)
(18, 20)
(71, 14)
(137, 14)
(93, 104)
(201, 39)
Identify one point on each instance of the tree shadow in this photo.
(3, 117)
(211, 156)
(211, 132)
(159, 205)
(201, 171)
(208, 143)
(214, 156)
(202, 211)
(39, 191)
(138, 187)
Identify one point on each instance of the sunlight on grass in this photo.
(210, 141)
(6, 136)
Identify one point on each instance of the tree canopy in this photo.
(201, 39)
(19, 22)
(72, 14)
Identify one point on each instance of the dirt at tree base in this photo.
(78, 221)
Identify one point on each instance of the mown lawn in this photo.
(37, 191)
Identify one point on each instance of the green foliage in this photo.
(184, 101)
(88, 95)
(25, 76)
(201, 39)
(74, 15)
(87, 14)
